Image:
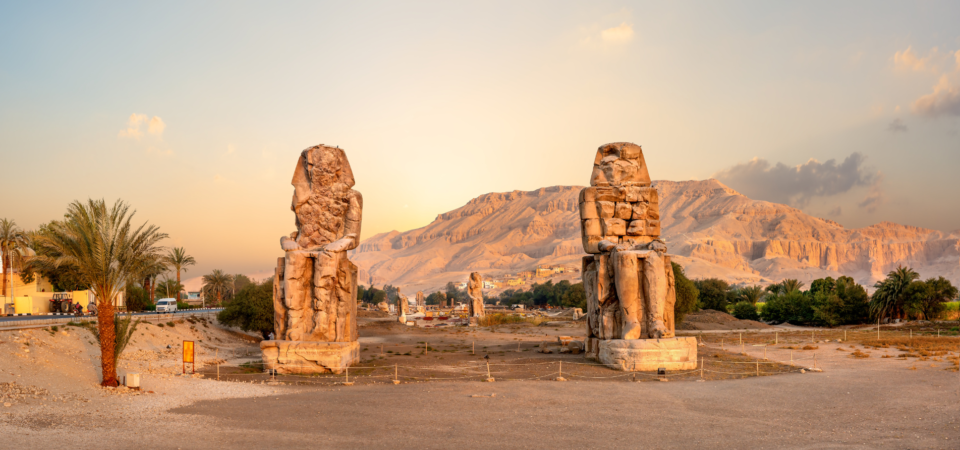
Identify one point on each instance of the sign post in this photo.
(188, 356)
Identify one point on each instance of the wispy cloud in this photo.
(230, 150)
(135, 123)
(875, 197)
(618, 35)
(943, 101)
(909, 60)
(797, 185)
(897, 126)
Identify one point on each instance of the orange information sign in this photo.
(188, 355)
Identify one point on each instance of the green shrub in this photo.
(687, 294)
(745, 311)
(714, 294)
(251, 309)
(136, 298)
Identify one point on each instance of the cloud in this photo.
(897, 126)
(155, 126)
(230, 149)
(944, 100)
(133, 126)
(957, 57)
(618, 34)
(835, 212)
(875, 197)
(908, 60)
(797, 185)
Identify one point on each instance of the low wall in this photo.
(47, 321)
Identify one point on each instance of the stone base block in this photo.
(643, 355)
(306, 357)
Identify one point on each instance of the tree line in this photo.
(831, 302)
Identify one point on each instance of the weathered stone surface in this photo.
(475, 292)
(620, 164)
(316, 284)
(592, 227)
(649, 354)
(605, 210)
(299, 357)
(623, 210)
(588, 210)
(420, 299)
(614, 227)
(637, 228)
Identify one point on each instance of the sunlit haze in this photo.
(196, 113)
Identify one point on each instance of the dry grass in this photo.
(924, 346)
(506, 319)
(859, 354)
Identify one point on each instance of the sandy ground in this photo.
(859, 402)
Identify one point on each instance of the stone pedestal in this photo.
(643, 355)
(306, 357)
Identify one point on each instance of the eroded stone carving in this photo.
(475, 292)
(628, 278)
(316, 290)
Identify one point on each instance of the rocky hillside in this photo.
(716, 231)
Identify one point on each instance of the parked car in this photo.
(166, 305)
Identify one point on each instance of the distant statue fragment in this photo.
(628, 278)
(421, 303)
(402, 307)
(475, 292)
(315, 297)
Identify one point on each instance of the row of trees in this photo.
(832, 302)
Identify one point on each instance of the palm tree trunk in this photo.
(6, 273)
(107, 340)
(178, 285)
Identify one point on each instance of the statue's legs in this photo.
(627, 276)
(298, 273)
(324, 296)
(655, 295)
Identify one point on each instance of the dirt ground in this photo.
(709, 319)
(891, 393)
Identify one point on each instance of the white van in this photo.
(166, 305)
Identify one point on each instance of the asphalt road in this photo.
(143, 314)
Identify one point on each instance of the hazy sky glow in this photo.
(196, 113)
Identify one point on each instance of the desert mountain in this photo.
(714, 230)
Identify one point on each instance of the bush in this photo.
(181, 305)
(745, 311)
(687, 294)
(251, 309)
(136, 298)
(714, 294)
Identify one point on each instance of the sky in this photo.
(195, 112)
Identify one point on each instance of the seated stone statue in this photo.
(317, 301)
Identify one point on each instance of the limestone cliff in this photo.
(714, 230)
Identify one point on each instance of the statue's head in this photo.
(320, 166)
(620, 164)
(475, 276)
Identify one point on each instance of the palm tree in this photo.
(168, 288)
(108, 251)
(151, 270)
(217, 283)
(14, 244)
(889, 297)
(750, 294)
(791, 284)
(179, 260)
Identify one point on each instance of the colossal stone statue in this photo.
(315, 289)
(421, 303)
(628, 278)
(475, 292)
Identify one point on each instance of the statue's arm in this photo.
(351, 225)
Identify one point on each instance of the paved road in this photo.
(143, 314)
